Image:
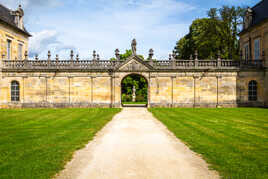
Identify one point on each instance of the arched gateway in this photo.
(134, 90)
(97, 83)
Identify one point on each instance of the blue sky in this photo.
(104, 25)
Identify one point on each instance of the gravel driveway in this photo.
(135, 145)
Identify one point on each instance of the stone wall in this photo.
(176, 89)
(6, 32)
(248, 36)
(243, 80)
(195, 87)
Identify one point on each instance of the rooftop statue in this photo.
(133, 46)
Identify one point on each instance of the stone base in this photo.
(59, 105)
(192, 105)
(118, 105)
(252, 104)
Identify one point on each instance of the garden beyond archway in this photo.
(134, 90)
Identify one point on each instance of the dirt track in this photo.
(135, 145)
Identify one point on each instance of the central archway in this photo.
(134, 90)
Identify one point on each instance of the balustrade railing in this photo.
(97, 64)
(112, 64)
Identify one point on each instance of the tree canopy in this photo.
(125, 55)
(218, 32)
(140, 84)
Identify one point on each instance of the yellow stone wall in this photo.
(183, 86)
(245, 78)
(258, 31)
(180, 89)
(7, 32)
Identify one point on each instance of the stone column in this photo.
(266, 88)
(69, 90)
(46, 90)
(149, 91)
(23, 91)
(112, 91)
(194, 77)
(172, 90)
(92, 90)
(117, 92)
(265, 58)
(218, 77)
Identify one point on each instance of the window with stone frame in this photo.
(246, 51)
(20, 46)
(252, 91)
(9, 49)
(257, 49)
(15, 91)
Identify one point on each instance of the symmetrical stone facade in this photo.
(13, 36)
(97, 83)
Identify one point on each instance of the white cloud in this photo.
(104, 25)
(46, 40)
(114, 26)
(30, 3)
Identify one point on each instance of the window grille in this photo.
(252, 91)
(15, 91)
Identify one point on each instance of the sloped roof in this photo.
(7, 17)
(260, 12)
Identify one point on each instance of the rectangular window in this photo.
(20, 51)
(8, 49)
(246, 51)
(257, 55)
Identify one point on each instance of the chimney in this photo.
(248, 18)
(19, 13)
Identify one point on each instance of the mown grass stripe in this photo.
(235, 149)
(36, 143)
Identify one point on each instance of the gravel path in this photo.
(135, 145)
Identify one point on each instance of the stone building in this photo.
(13, 35)
(254, 39)
(254, 36)
(76, 82)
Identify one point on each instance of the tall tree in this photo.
(212, 13)
(205, 36)
(218, 32)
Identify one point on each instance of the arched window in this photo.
(252, 91)
(15, 91)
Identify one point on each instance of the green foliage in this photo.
(125, 55)
(126, 97)
(233, 141)
(140, 84)
(37, 143)
(218, 33)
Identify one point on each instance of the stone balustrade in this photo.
(109, 64)
(97, 64)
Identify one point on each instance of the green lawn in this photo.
(233, 141)
(36, 143)
(134, 102)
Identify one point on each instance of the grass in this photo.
(233, 141)
(134, 102)
(36, 143)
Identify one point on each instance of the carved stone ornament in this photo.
(133, 66)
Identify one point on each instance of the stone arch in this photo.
(142, 74)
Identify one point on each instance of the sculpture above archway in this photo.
(134, 63)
